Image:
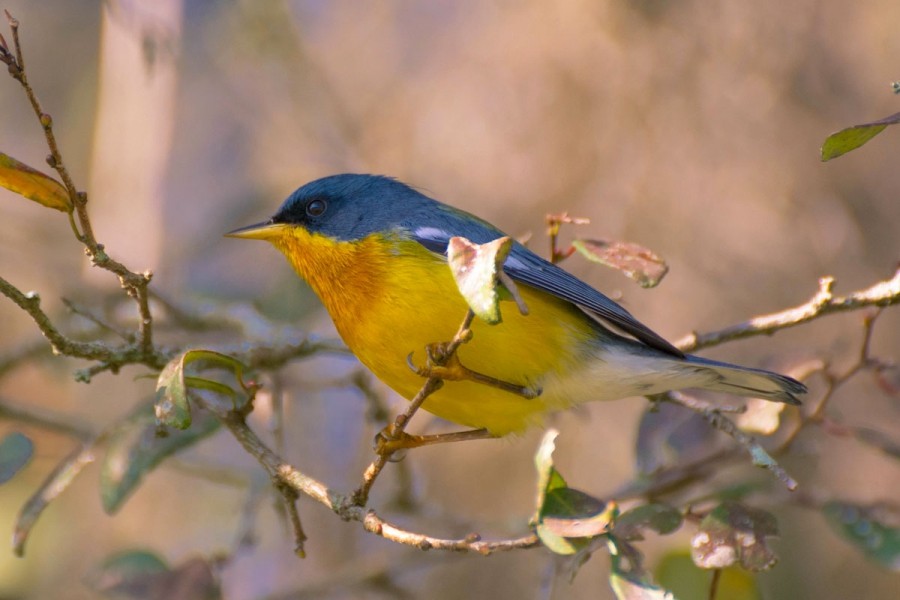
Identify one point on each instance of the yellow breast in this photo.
(390, 297)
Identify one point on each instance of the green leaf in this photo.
(172, 406)
(635, 261)
(571, 513)
(627, 577)
(566, 519)
(120, 569)
(661, 518)
(34, 185)
(142, 575)
(875, 530)
(735, 534)
(136, 448)
(476, 269)
(853, 137)
(15, 452)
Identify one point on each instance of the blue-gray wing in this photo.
(526, 267)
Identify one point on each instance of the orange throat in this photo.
(347, 276)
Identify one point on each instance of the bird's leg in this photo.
(450, 368)
(389, 440)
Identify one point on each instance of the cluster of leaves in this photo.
(574, 524)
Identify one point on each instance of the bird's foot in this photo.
(389, 440)
(450, 368)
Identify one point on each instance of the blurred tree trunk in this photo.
(135, 117)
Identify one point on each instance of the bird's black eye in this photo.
(316, 207)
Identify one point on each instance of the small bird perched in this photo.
(374, 251)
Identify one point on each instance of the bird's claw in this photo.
(390, 441)
(450, 368)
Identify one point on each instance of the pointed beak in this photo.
(259, 231)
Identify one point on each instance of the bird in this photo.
(374, 250)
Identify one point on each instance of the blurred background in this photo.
(690, 127)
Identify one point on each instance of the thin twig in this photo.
(96, 320)
(186, 319)
(17, 71)
(759, 455)
(54, 485)
(22, 354)
(245, 536)
(674, 478)
(134, 284)
(276, 420)
(44, 420)
(344, 507)
(362, 572)
(268, 356)
(714, 584)
(823, 302)
(290, 505)
(834, 382)
(113, 357)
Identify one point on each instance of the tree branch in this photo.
(111, 357)
(824, 302)
(342, 505)
(134, 284)
(45, 420)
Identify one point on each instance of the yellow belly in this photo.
(390, 298)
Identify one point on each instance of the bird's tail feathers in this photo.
(746, 381)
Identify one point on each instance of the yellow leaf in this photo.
(34, 185)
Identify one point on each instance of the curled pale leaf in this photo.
(566, 519)
(34, 185)
(172, 406)
(570, 513)
(548, 477)
(477, 269)
(639, 263)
